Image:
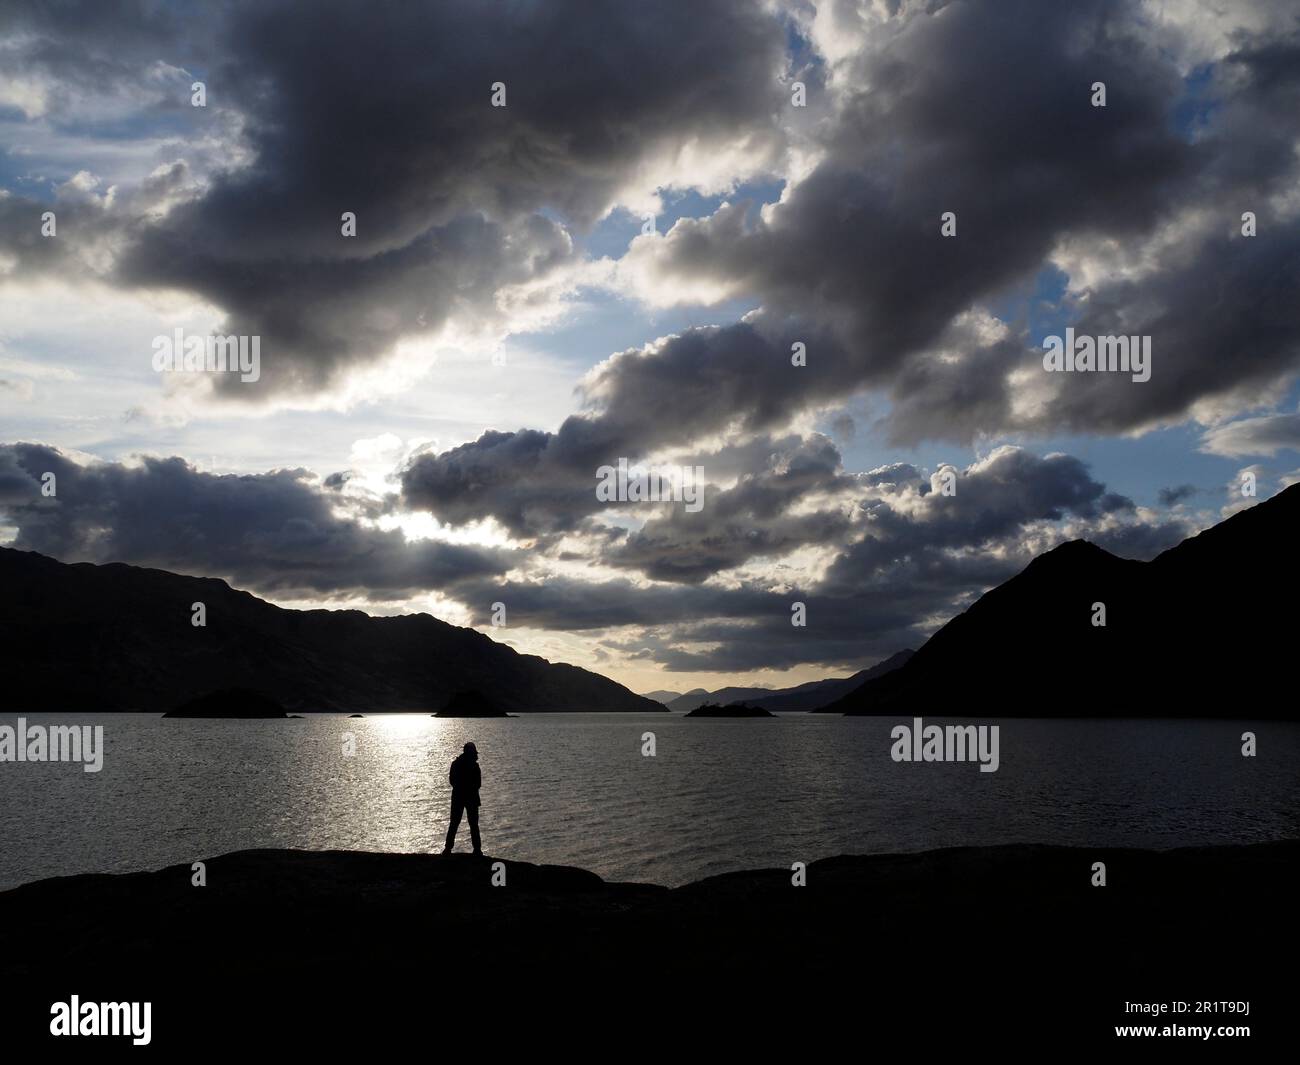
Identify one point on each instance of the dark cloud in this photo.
(532, 482)
(982, 109)
(910, 559)
(755, 518)
(18, 487)
(994, 501)
(1178, 494)
(78, 225)
(979, 107)
(1254, 436)
(1224, 322)
(536, 482)
(1011, 145)
(273, 533)
(384, 110)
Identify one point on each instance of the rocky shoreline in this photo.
(1016, 934)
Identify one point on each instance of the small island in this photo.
(731, 710)
(470, 704)
(230, 703)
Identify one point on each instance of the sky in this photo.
(811, 250)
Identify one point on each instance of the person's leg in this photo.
(456, 809)
(472, 813)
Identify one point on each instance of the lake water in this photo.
(574, 789)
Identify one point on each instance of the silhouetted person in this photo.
(465, 781)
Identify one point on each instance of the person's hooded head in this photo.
(472, 751)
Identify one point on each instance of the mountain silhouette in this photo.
(116, 637)
(1202, 630)
(807, 696)
(815, 693)
(697, 697)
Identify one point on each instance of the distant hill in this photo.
(697, 697)
(688, 700)
(805, 696)
(817, 693)
(661, 696)
(1206, 629)
(116, 637)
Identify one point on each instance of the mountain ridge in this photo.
(85, 636)
(1185, 635)
(814, 693)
